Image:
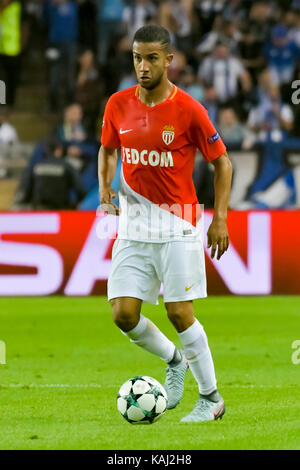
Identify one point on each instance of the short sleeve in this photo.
(110, 136)
(204, 135)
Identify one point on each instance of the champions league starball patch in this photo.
(213, 138)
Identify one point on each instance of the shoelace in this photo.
(201, 405)
(173, 373)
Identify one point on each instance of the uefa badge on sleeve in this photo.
(168, 135)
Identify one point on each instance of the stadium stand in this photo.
(245, 166)
(80, 52)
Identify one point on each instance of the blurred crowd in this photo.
(237, 57)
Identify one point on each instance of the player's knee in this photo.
(175, 313)
(180, 314)
(123, 318)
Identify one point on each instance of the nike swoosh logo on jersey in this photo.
(124, 131)
(188, 288)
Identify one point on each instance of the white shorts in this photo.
(139, 268)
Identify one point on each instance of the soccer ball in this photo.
(142, 400)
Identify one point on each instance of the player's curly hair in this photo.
(154, 33)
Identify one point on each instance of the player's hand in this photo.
(217, 237)
(106, 194)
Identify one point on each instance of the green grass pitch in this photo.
(65, 361)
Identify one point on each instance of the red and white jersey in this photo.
(157, 196)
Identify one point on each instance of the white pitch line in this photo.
(87, 386)
(55, 386)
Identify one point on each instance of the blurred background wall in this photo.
(60, 60)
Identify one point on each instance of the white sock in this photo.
(199, 357)
(146, 335)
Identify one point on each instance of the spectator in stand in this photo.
(226, 32)
(33, 33)
(270, 115)
(8, 134)
(292, 23)
(210, 102)
(231, 130)
(189, 83)
(176, 17)
(255, 32)
(225, 72)
(177, 65)
(128, 80)
(89, 92)
(215, 30)
(53, 182)
(72, 128)
(81, 149)
(61, 17)
(87, 28)
(137, 15)
(207, 11)
(281, 55)
(110, 17)
(235, 10)
(10, 46)
(261, 91)
(250, 51)
(295, 4)
(260, 22)
(120, 66)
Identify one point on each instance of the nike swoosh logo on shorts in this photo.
(188, 288)
(124, 131)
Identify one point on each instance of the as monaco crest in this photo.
(168, 134)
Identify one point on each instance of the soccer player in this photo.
(159, 127)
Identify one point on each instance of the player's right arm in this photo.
(108, 157)
(107, 164)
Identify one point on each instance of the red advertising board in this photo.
(69, 253)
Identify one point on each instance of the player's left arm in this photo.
(217, 235)
(203, 135)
